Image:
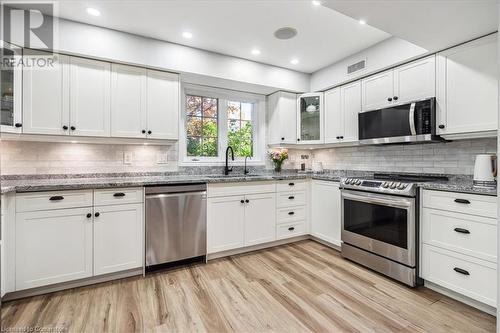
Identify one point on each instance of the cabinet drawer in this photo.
(286, 215)
(463, 274)
(225, 189)
(291, 230)
(481, 205)
(291, 185)
(114, 196)
(291, 199)
(471, 235)
(30, 202)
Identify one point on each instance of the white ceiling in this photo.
(236, 27)
(431, 24)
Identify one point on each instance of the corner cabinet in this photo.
(467, 88)
(282, 118)
(11, 91)
(310, 118)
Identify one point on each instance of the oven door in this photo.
(379, 223)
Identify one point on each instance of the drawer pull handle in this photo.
(462, 201)
(291, 197)
(291, 229)
(291, 184)
(56, 198)
(461, 271)
(120, 194)
(291, 213)
(462, 231)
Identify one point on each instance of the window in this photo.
(214, 119)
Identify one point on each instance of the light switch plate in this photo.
(127, 157)
(161, 158)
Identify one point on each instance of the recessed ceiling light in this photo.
(316, 3)
(294, 61)
(187, 34)
(362, 22)
(255, 51)
(285, 33)
(93, 11)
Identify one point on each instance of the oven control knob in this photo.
(385, 185)
(358, 182)
(393, 185)
(401, 186)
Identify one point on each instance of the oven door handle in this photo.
(383, 199)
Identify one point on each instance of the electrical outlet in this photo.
(161, 158)
(127, 157)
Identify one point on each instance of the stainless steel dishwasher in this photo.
(176, 224)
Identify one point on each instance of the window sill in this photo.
(222, 163)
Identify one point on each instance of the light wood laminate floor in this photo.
(300, 287)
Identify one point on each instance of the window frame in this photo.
(223, 96)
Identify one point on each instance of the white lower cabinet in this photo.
(225, 223)
(260, 220)
(118, 238)
(326, 211)
(53, 246)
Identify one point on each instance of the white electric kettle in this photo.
(485, 170)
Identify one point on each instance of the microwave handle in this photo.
(411, 116)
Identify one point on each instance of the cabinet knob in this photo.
(56, 198)
(119, 194)
(291, 184)
(18, 125)
(342, 137)
(242, 201)
(89, 215)
(65, 127)
(149, 132)
(291, 213)
(282, 139)
(73, 128)
(395, 98)
(298, 139)
(143, 131)
(338, 137)
(247, 201)
(441, 126)
(291, 197)
(97, 214)
(291, 229)
(389, 99)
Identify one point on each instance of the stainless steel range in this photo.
(380, 225)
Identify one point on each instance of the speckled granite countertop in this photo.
(461, 183)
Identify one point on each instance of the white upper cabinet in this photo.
(378, 90)
(467, 87)
(334, 116)
(128, 101)
(90, 105)
(326, 211)
(162, 105)
(11, 91)
(282, 125)
(351, 106)
(414, 81)
(46, 97)
(403, 84)
(310, 118)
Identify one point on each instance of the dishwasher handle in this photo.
(178, 188)
(178, 194)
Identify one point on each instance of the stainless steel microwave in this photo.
(407, 123)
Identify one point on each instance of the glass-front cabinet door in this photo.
(10, 88)
(310, 118)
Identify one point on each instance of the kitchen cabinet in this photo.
(260, 218)
(334, 116)
(90, 107)
(128, 101)
(292, 212)
(342, 106)
(118, 238)
(282, 110)
(403, 84)
(225, 223)
(53, 246)
(310, 118)
(162, 105)
(467, 88)
(46, 97)
(11, 91)
(326, 211)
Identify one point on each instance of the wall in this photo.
(387, 53)
(451, 158)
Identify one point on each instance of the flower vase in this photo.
(277, 166)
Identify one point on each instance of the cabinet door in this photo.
(282, 120)
(378, 91)
(260, 218)
(310, 118)
(416, 80)
(334, 117)
(467, 87)
(52, 247)
(128, 101)
(90, 85)
(326, 211)
(225, 223)
(273, 120)
(162, 105)
(118, 235)
(46, 97)
(11, 91)
(350, 95)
